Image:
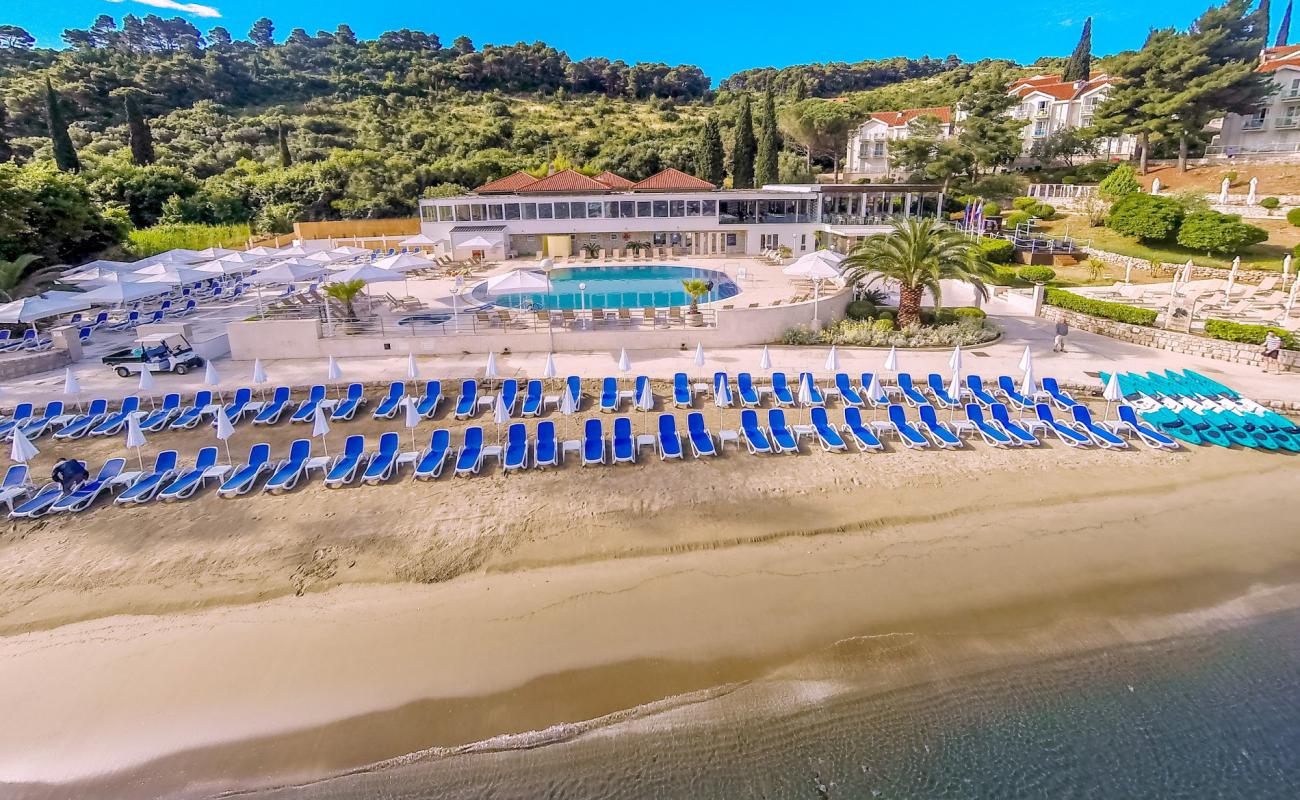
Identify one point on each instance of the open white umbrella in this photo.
(225, 430)
(1111, 392)
(135, 437)
(366, 273)
(71, 386)
(345, 250)
(500, 414)
(419, 240)
(404, 262)
(222, 267)
(43, 306)
(22, 450)
(1026, 359)
(478, 243)
(765, 360)
(490, 369)
(320, 427)
(568, 405)
(833, 360)
(287, 272)
(326, 257)
(412, 368)
(215, 252)
(242, 258)
(517, 280)
(891, 360)
(412, 417)
(115, 294)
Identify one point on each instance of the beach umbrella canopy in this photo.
(215, 252)
(325, 257)
(624, 363)
(412, 418)
(320, 427)
(259, 374)
(175, 276)
(1026, 360)
(412, 368)
(478, 242)
(43, 306)
(699, 354)
(146, 380)
(369, 273)
(765, 360)
(211, 378)
(954, 361)
(263, 251)
(71, 386)
(404, 262)
(223, 267)
(109, 266)
(241, 258)
(833, 360)
(490, 370)
(135, 437)
(22, 450)
(224, 429)
(287, 272)
(813, 266)
(876, 392)
(419, 240)
(115, 294)
(549, 370)
(178, 256)
(517, 280)
(891, 360)
(1028, 388)
(100, 277)
(294, 250)
(351, 251)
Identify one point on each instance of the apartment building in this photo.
(1274, 126)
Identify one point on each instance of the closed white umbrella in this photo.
(211, 378)
(1028, 388)
(833, 360)
(891, 360)
(259, 375)
(954, 391)
(721, 396)
(1286, 269)
(624, 363)
(549, 371)
(954, 360)
(334, 374)
(412, 368)
(22, 450)
(646, 401)
(320, 427)
(765, 360)
(1026, 359)
(225, 430)
(568, 405)
(71, 386)
(1112, 392)
(805, 391)
(699, 355)
(490, 369)
(876, 393)
(412, 418)
(147, 382)
(1232, 279)
(500, 414)
(135, 437)
(1291, 298)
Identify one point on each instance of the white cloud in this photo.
(196, 9)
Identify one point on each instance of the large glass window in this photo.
(462, 212)
(544, 211)
(561, 210)
(692, 208)
(710, 207)
(578, 210)
(446, 213)
(626, 208)
(611, 209)
(593, 210)
(677, 208)
(476, 212)
(643, 208)
(494, 212)
(661, 208)
(530, 210)
(512, 210)
(428, 213)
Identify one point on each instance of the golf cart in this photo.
(169, 352)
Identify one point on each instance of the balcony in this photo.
(1286, 123)
(1289, 95)
(1253, 125)
(1040, 113)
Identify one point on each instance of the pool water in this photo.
(424, 319)
(642, 286)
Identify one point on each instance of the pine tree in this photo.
(141, 138)
(6, 150)
(710, 160)
(262, 34)
(742, 151)
(769, 145)
(1284, 30)
(65, 154)
(1079, 67)
(286, 159)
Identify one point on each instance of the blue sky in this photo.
(720, 37)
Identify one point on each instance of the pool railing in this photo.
(492, 319)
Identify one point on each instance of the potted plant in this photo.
(695, 289)
(590, 249)
(783, 252)
(346, 293)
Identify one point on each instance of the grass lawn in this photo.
(1262, 256)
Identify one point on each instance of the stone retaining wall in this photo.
(1173, 341)
(20, 364)
(1198, 272)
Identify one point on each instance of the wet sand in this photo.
(186, 650)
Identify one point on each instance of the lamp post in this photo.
(547, 265)
(455, 309)
(582, 287)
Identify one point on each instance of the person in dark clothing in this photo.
(70, 473)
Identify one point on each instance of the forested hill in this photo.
(836, 78)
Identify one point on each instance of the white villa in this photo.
(869, 145)
(1274, 127)
(520, 216)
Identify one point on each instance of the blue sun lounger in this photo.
(81, 424)
(574, 384)
(509, 395)
(640, 388)
(428, 405)
(271, 412)
(783, 439)
(935, 382)
(306, 411)
(908, 435)
(35, 427)
(345, 468)
(975, 384)
(383, 465)
(515, 455)
(246, 475)
(609, 399)
(147, 486)
(240, 405)
(992, 436)
(467, 403)
(1009, 391)
(1149, 436)
(470, 457)
(1016, 431)
(683, 394)
(1099, 435)
(624, 441)
(392, 402)
(848, 394)
(291, 470)
(546, 447)
(863, 437)
(532, 399)
(939, 431)
(188, 482)
(830, 438)
(192, 415)
(434, 457)
(701, 440)
(22, 413)
(1063, 432)
(911, 394)
(746, 391)
(15, 485)
(1060, 398)
(593, 443)
(815, 397)
(39, 504)
(347, 407)
(114, 424)
(670, 443)
(781, 390)
(755, 440)
(157, 419)
(88, 492)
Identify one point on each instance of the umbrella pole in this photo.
(140, 456)
(324, 446)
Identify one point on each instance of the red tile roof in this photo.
(510, 183)
(1274, 64)
(896, 118)
(671, 180)
(1053, 86)
(614, 181)
(1282, 51)
(564, 181)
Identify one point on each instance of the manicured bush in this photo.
(1003, 276)
(799, 335)
(1022, 203)
(998, 251)
(1042, 211)
(1271, 203)
(861, 309)
(882, 324)
(1246, 334)
(1120, 183)
(1146, 217)
(1035, 274)
(968, 312)
(1293, 217)
(1212, 232)
(1100, 308)
(1010, 221)
(1069, 180)
(886, 314)
(992, 209)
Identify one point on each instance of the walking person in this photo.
(1062, 330)
(1273, 351)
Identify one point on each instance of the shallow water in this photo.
(1215, 714)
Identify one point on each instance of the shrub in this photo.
(881, 333)
(998, 251)
(861, 309)
(1100, 308)
(886, 315)
(1271, 203)
(1293, 216)
(969, 315)
(1212, 232)
(1232, 178)
(1093, 171)
(1246, 334)
(1042, 211)
(1002, 185)
(1004, 276)
(1096, 268)
(1015, 218)
(882, 324)
(1069, 180)
(1120, 183)
(1022, 203)
(1146, 217)
(161, 238)
(992, 209)
(799, 335)
(1036, 274)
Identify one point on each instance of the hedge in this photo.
(997, 251)
(1100, 308)
(1036, 274)
(1246, 334)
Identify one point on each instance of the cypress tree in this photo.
(765, 167)
(1079, 67)
(65, 154)
(6, 150)
(742, 152)
(710, 160)
(1284, 30)
(286, 160)
(138, 130)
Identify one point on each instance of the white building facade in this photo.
(1048, 104)
(869, 144)
(1274, 126)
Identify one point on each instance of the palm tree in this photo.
(696, 289)
(16, 281)
(917, 254)
(346, 292)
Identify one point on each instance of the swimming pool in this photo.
(641, 286)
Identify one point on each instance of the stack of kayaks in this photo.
(1198, 410)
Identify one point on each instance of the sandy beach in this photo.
(194, 649)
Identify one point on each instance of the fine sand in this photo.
(214, 645)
